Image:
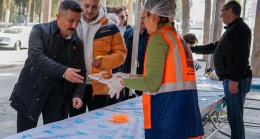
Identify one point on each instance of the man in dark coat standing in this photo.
(231, 61)
(52, 80)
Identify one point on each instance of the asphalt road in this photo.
(8, 77)
(9, 56)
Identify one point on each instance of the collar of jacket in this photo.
(129, 33)
(234, 22)
(55, 30)
(103, 21)
(128, 26)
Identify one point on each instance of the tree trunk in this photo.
(1, 10)
(218, 21)
(28, 12)
(46, 10)
(42, 9)
(217, 26)
(7, 13)
(256, 44)
(130, 12)
(206, 28)
(185, 17)
(104, 2)
(34, 10)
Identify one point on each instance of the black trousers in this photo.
(96, 102)
(54, 110)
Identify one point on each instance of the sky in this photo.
(197, 10)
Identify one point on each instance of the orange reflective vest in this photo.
(179, 72)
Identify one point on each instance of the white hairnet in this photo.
(164, 8)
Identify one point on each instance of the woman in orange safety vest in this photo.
(170, 99)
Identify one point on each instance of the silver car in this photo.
(15, 37)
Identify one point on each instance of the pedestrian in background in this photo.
(126, 24)
(192, 40)
(121, 13)
(231, 62)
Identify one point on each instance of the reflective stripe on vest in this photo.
(179, 71)
(177, 86)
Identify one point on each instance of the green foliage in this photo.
(55, 6)
(17, 2)
(1, 10)
(114, 2)
(13, 11)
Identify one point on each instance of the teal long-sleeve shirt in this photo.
(157, 52)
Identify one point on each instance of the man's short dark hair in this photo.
(235, 6)
(72, 5)
(190, 38)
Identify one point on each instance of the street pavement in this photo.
(251, 117)
(11, 58)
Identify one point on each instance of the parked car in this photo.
(15, 37)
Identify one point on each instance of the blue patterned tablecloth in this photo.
(96, 125)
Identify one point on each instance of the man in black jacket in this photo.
(231, 61)
(52, 80)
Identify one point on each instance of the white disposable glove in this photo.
(101, 79)
(115, 86)
(123, 75)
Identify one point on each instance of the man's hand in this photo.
(72, 76)
(77, 103)
(233, 87)
(97, 62)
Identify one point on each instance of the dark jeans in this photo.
(54, 110)
(93, 102)
(235, 104)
